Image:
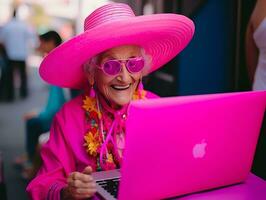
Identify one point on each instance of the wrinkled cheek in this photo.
(135, 86)
(106, 93)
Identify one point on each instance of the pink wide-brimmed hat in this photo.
(162, 36)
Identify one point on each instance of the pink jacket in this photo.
(64, 152)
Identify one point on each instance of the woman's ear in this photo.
(89, 73)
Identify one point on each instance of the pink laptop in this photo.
(181, 145)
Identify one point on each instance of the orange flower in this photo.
(142, 94)
(92, 142)
(89, 104)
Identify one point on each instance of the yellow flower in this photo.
(89, 104)
(109, 158)
(92, 143)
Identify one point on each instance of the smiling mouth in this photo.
(120, 87)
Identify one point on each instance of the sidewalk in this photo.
(12, 133)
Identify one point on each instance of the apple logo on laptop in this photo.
(199, 149)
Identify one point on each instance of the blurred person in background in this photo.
(16, 37)
(256, 62)
(38, 123)
(108, 61)
(256, 46)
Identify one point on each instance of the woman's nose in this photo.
(124, 74)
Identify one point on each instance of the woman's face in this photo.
(118, 89)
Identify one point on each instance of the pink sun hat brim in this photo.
(162, 36)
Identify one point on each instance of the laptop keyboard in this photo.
(110, 185)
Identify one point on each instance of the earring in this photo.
(92, 91)
(140, 88)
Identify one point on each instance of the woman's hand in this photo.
(79, 185)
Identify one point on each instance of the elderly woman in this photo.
(108, 61)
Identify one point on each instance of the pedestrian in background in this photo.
(16, 37)
(256, 62)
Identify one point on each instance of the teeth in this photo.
(121, 87)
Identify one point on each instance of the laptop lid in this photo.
(180, 145)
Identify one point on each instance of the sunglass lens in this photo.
(112, 67)
(135, 65)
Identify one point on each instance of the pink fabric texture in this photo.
(64, 152)
(162, 36)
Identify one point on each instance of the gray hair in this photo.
(89, 65)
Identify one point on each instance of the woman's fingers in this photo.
(86, 192)
(80, 176)
(82, 191)
(87, 170)
(80, 184)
